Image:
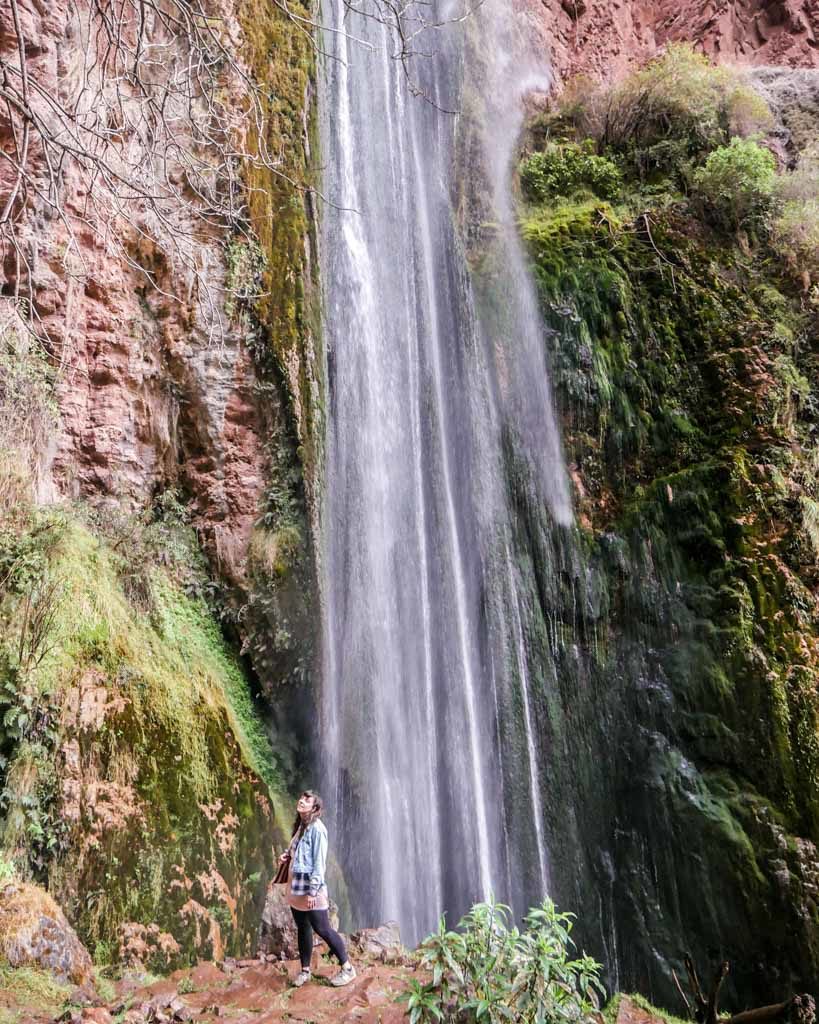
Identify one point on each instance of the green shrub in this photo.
(795, 231)
(160, 534)
(487, 971)
(795, 236)
(28, 409)
(802, 183)
(246, 264)
(28, 415)
(563, 170)
(736, 187)
(675, 108)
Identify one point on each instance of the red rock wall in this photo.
(603, 38)
(148, 397)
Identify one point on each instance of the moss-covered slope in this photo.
(683, 613)
(137, 778)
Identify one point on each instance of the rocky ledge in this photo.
(257, 991)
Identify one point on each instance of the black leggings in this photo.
(308, 921)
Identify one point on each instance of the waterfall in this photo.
(438, 395)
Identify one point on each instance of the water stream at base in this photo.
(428, 742)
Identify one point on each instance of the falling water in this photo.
(531, 746)
(431, 397)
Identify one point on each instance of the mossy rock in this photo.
(34, 934)
(148, 805)
(681, 613)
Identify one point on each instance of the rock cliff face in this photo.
(155, 388)
(148, 398)
(683, 354)
(127, 782)
(603, 39)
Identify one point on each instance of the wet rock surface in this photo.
(278, 938)
(277, 931)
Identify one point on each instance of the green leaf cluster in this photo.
(677, 107)
(736, 186)
(160, 534)
(564, 170)
(490, 971)
(28, 409)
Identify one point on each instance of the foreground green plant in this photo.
(488, 971)
(29, 988)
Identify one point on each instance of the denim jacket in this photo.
(309, 861)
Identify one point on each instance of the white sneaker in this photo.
(344, 976)
(301, 978)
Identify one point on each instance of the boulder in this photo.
(34, 932)
(277, 931)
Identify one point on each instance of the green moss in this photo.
(286, 336)
(30, 989)
(685, 625)
(612, 1008)
(189, 630)
(155, 730)
(281, 57)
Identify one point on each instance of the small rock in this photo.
(206, 975)
(382, 943)
(84, 995)
(277, 932)
(96, 1015)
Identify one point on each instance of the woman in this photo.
(307, 891)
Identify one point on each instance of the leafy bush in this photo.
(27, 406)
(677, 107)
(795, 236)
(736, 187)
(246, 264)
(795, 232)
(563, 170)
(28, 414)
(158, 535)
(487, 971)
(25, 548)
